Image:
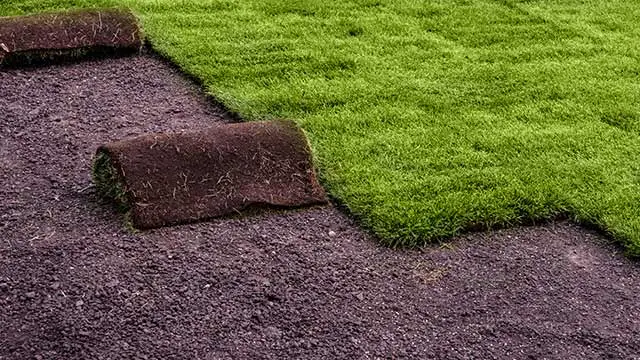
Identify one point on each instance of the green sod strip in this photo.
(429, 118)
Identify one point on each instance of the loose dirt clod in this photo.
(170, 178)
(43, 38)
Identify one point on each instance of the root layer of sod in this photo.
(172, 178)
(55, 37)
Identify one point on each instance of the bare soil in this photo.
(75, 284)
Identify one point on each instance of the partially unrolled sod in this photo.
(171, 178)
(34, 39)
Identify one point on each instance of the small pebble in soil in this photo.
(273, 331)
(332, 233)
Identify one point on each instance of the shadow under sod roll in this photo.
(172, 178)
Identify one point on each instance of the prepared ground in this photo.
(75, 284)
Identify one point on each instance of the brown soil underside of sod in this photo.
(179, 177)
(54, 36)
(74, 284)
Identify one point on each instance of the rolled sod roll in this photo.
(25, 40)
(165, 179)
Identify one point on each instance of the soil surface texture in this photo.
(308, 284)
(179, 177)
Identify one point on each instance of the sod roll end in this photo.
(172, 178)
(44, 38)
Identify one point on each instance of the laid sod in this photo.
(166, 179)
(27, 40)
(429, 118)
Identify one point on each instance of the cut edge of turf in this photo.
(228, 111)
(111, 185)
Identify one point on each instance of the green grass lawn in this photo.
(429, 118)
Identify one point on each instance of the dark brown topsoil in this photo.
(52, 36)
(179, 177)
(74, 284)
